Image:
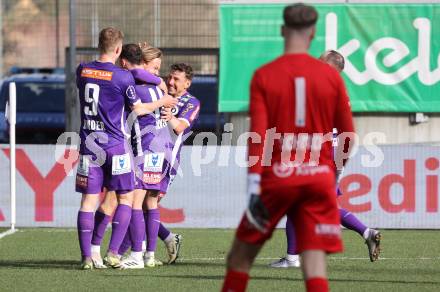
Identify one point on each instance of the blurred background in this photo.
(37, 34)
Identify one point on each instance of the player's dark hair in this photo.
(183, 67)
(299, 16)
(109, 37)
(334, 57)
(132, 53)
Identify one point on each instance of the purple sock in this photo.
(348, 220)
(163, 232)
(137, 230)
(290, 235)
(85, 230)
(153, 222)
(101, 222)
(121, 220)
(126, 243)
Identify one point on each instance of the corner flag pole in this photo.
(12, 121)
(11, 114)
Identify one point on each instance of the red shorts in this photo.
(313, 210)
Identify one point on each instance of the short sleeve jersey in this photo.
(105, 92)
(149, 133)
(186, 110)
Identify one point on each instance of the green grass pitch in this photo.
(46, 259)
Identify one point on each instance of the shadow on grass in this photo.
(42, 264)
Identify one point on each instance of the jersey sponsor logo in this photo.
(189, 106)
(83, 165)
(152, 178)
(131, 92)
(121, 164)
(282, 170)
(153, 162)
(311, 170)
(328, 229)
(96, 74)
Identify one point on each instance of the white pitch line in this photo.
(56, 230)
(8, 232)
(330, 258)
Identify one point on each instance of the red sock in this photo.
(317, 285)
(235, 281)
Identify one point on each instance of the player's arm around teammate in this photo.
(131, 61)
(104, 90)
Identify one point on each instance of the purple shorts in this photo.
(153, 171)
(114, 172)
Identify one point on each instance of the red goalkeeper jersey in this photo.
(296, 96)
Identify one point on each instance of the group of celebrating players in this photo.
(132, 129)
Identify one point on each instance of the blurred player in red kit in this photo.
(295, 102)
(348, 220)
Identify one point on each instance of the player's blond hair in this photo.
(109, 38)
(149, 53)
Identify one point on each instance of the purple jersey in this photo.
(105, 92)
(150, 132)
(151, 139)
(187, 110)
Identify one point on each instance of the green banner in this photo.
(392, 52)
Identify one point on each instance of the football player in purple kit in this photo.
(152, 146)
(348, 220)
(105, 91)
(180, 119)
(151, 125)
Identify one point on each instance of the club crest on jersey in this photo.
(153, 162)
(121, 164)
(131, 92)
(175, 110)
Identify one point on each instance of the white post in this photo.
(12, 120)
